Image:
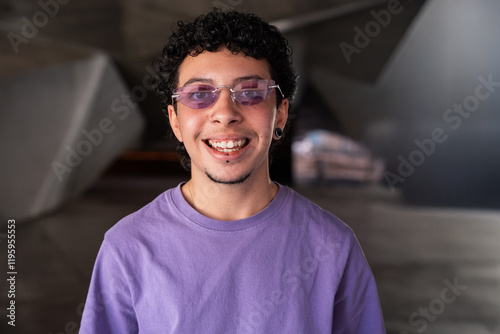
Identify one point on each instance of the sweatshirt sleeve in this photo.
(108, 308)
(357, 307)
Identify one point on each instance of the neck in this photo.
(229, 201)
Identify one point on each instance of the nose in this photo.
(225, 111)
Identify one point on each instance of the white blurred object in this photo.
(327, 156)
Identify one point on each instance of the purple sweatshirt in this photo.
(291, 268)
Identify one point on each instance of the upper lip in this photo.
(222, 137)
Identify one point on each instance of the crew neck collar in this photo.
(235, 225)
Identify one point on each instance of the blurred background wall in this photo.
(401, 78)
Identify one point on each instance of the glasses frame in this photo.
(178, 91)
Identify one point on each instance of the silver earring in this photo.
(278, 133)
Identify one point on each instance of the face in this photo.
(228, 142)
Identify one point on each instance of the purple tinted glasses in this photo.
(247, 93)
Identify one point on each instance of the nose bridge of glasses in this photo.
(232, 92)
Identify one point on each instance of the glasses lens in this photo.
(247, 93)
(196, 96)
(251, 92)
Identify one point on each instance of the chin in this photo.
(237, 180)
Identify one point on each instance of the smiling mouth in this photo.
(227, 146)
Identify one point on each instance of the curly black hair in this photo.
(237, 32)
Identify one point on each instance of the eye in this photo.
(199, 96)
(197, 93)
(251, 93)
(250, 96)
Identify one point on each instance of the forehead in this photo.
(222, 67)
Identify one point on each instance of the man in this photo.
(230, 251)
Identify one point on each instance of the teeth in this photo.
(227, 146)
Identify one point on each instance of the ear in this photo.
(282, 114)
(174, 122)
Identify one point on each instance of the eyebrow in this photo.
(210, 81)
(196, 79)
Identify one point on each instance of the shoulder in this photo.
(303, 211)
(149, 217)
(314, 227)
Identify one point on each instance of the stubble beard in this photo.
(231, 182)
